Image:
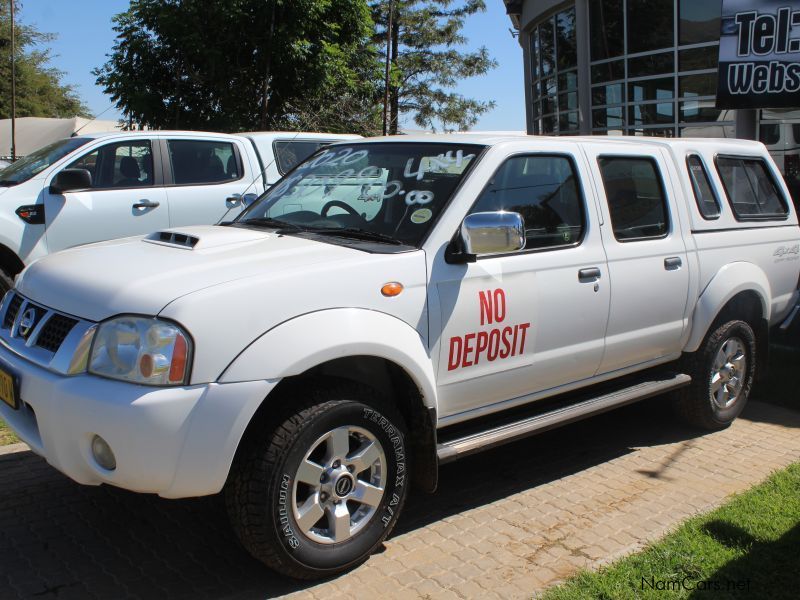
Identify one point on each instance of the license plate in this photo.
(8, 388)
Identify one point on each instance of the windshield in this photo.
(390, 192)
(38, 161)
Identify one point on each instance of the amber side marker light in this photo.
(392, 289)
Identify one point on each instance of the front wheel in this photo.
(319, 493)
(722, 373)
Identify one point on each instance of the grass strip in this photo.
(747, 548)
(6, 435)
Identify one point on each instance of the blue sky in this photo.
(85, 37)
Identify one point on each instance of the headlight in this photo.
(142, 350)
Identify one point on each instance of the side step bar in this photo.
(464, 446)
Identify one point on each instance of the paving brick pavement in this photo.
(504, 524)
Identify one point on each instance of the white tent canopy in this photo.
(34, 132)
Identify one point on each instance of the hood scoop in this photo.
(204, 237)
(173, 238)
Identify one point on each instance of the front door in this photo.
(530, 321)
(125, 199)
(647, 259)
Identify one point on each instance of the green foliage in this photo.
(234, 65)
(427, 61)
(6, 435)
(39, 92)
(746, 549)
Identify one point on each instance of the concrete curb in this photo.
(11, 449)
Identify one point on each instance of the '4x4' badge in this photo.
(784, 250)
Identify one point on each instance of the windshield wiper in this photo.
(271, 223)
(356, 233)
(8, 182)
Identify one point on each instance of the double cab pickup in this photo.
(393, 304)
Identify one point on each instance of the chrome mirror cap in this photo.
(492, 233)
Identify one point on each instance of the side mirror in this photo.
(487, 233)
(69, 180)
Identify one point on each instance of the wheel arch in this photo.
(738, 290)
(9, 261)
(364, 347)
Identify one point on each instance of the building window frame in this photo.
(547, 114)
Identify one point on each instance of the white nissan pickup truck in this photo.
(394, 304)
(101, 186)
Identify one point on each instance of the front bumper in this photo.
(174, 441)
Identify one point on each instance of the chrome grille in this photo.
(11, 313)
(54, 331)
(42, 335)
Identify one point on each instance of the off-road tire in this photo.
(695, 403)
(260, 492)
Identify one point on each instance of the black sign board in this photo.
(759, 54)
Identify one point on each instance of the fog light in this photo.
(102, 454)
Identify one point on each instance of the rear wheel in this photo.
(722, 373)
(320, 492)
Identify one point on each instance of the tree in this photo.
(426, 62)
(39, 91)
(233, 65)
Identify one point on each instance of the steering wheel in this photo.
(339, 204)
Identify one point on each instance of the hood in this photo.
(144, 274)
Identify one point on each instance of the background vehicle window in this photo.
(544, 190)
(769, 135)
(751, 188)
(38, 161)
(196, 161)
(703, 192)
(636, 200)
(290, 153)
(123, 165)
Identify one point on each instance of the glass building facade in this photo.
(652, 69)
(638, 67)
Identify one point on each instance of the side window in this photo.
(635, 195)
(196, 161)
(701, 185)
(544, 190)
(751, 188)
(290, 153)
(120, 165)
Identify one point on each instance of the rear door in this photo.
(647, 260)
(202, 175)
(126, 197)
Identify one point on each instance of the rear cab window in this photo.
(751, 188)
(636, 199)
(704, 194)
(290, 153)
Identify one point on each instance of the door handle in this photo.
(673, 263)
(589, 275)
(142, 204)
(233, 200)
